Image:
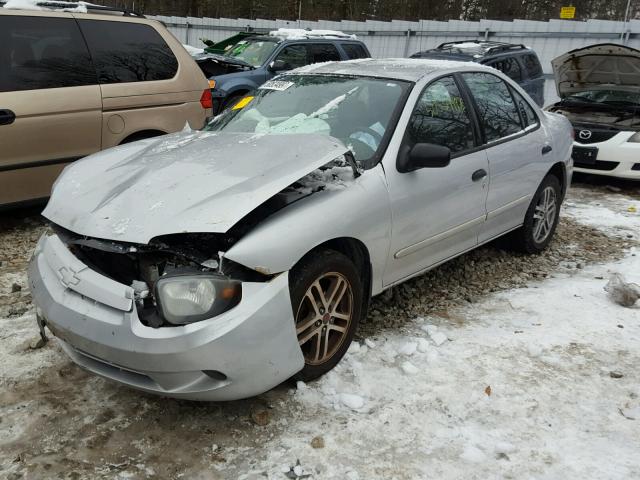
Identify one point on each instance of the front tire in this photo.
(541, 219)
(326, 297)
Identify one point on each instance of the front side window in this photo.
(498, 113)
(293, 56)
(531, 63)
(128, 52)
(440, 117)
(509, 66)
(353, 50)
(40, 52)
(356, 110)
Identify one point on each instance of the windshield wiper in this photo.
(581, 99)
(623, 103)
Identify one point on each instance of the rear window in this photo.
(38, 52)
(128, 52)
(531, 63)
(353, 50)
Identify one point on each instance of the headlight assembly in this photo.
(183, 299)
(635, 138)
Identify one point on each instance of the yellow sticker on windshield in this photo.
(242, 103)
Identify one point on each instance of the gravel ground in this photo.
(58, 421)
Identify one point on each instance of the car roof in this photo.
(473, 49)
(408, 69)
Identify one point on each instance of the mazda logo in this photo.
(584, 134)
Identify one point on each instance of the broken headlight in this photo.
(183, 299)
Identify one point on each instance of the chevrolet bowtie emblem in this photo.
(68, 277)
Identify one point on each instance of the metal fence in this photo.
(401, 38)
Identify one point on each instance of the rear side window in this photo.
(128, 52)
(440, 117)
(509, 66)
(39, 52)
(498, 113)
(527, 114)
(531, 63)
(353, 50)
(323, 52)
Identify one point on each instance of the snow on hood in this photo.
(599, 66)
(184, 182)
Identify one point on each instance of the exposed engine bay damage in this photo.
(213, 65)
(140, 266)
(616, 119)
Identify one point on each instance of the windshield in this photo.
(254, 51)
(356, 110)
(607, 97)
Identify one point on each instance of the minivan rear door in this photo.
(50, 103)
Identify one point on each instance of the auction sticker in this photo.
(275, 85)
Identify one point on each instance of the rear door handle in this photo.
(546, 149)
(7, 117)
(478, 175)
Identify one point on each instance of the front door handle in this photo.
(7, 117)
(546, 149)
(478, 175)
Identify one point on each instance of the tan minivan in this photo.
(72, 84)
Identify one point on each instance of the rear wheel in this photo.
(541, 219)
(326, 296)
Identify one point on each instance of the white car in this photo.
(599, 87)
(214, 265)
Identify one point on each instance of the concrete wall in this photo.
(401, 39)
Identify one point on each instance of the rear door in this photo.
(50, 103)
(514, 143)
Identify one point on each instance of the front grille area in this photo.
(598, 134)
(602, 165)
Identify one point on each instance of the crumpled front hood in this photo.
(601, 65)
(184, 182)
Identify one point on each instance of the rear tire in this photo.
(326, 297)
(541, 219)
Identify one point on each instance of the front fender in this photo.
(360, 210)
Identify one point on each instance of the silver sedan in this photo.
(213, 265)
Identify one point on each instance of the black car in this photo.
(514, 60)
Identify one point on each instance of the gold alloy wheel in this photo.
(324, 317)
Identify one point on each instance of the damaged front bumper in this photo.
(240, 353)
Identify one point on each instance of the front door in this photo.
(437, 213)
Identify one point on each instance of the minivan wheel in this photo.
(326, 296)
(541, 219)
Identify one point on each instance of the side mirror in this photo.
(423, 155)
(279, 66)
